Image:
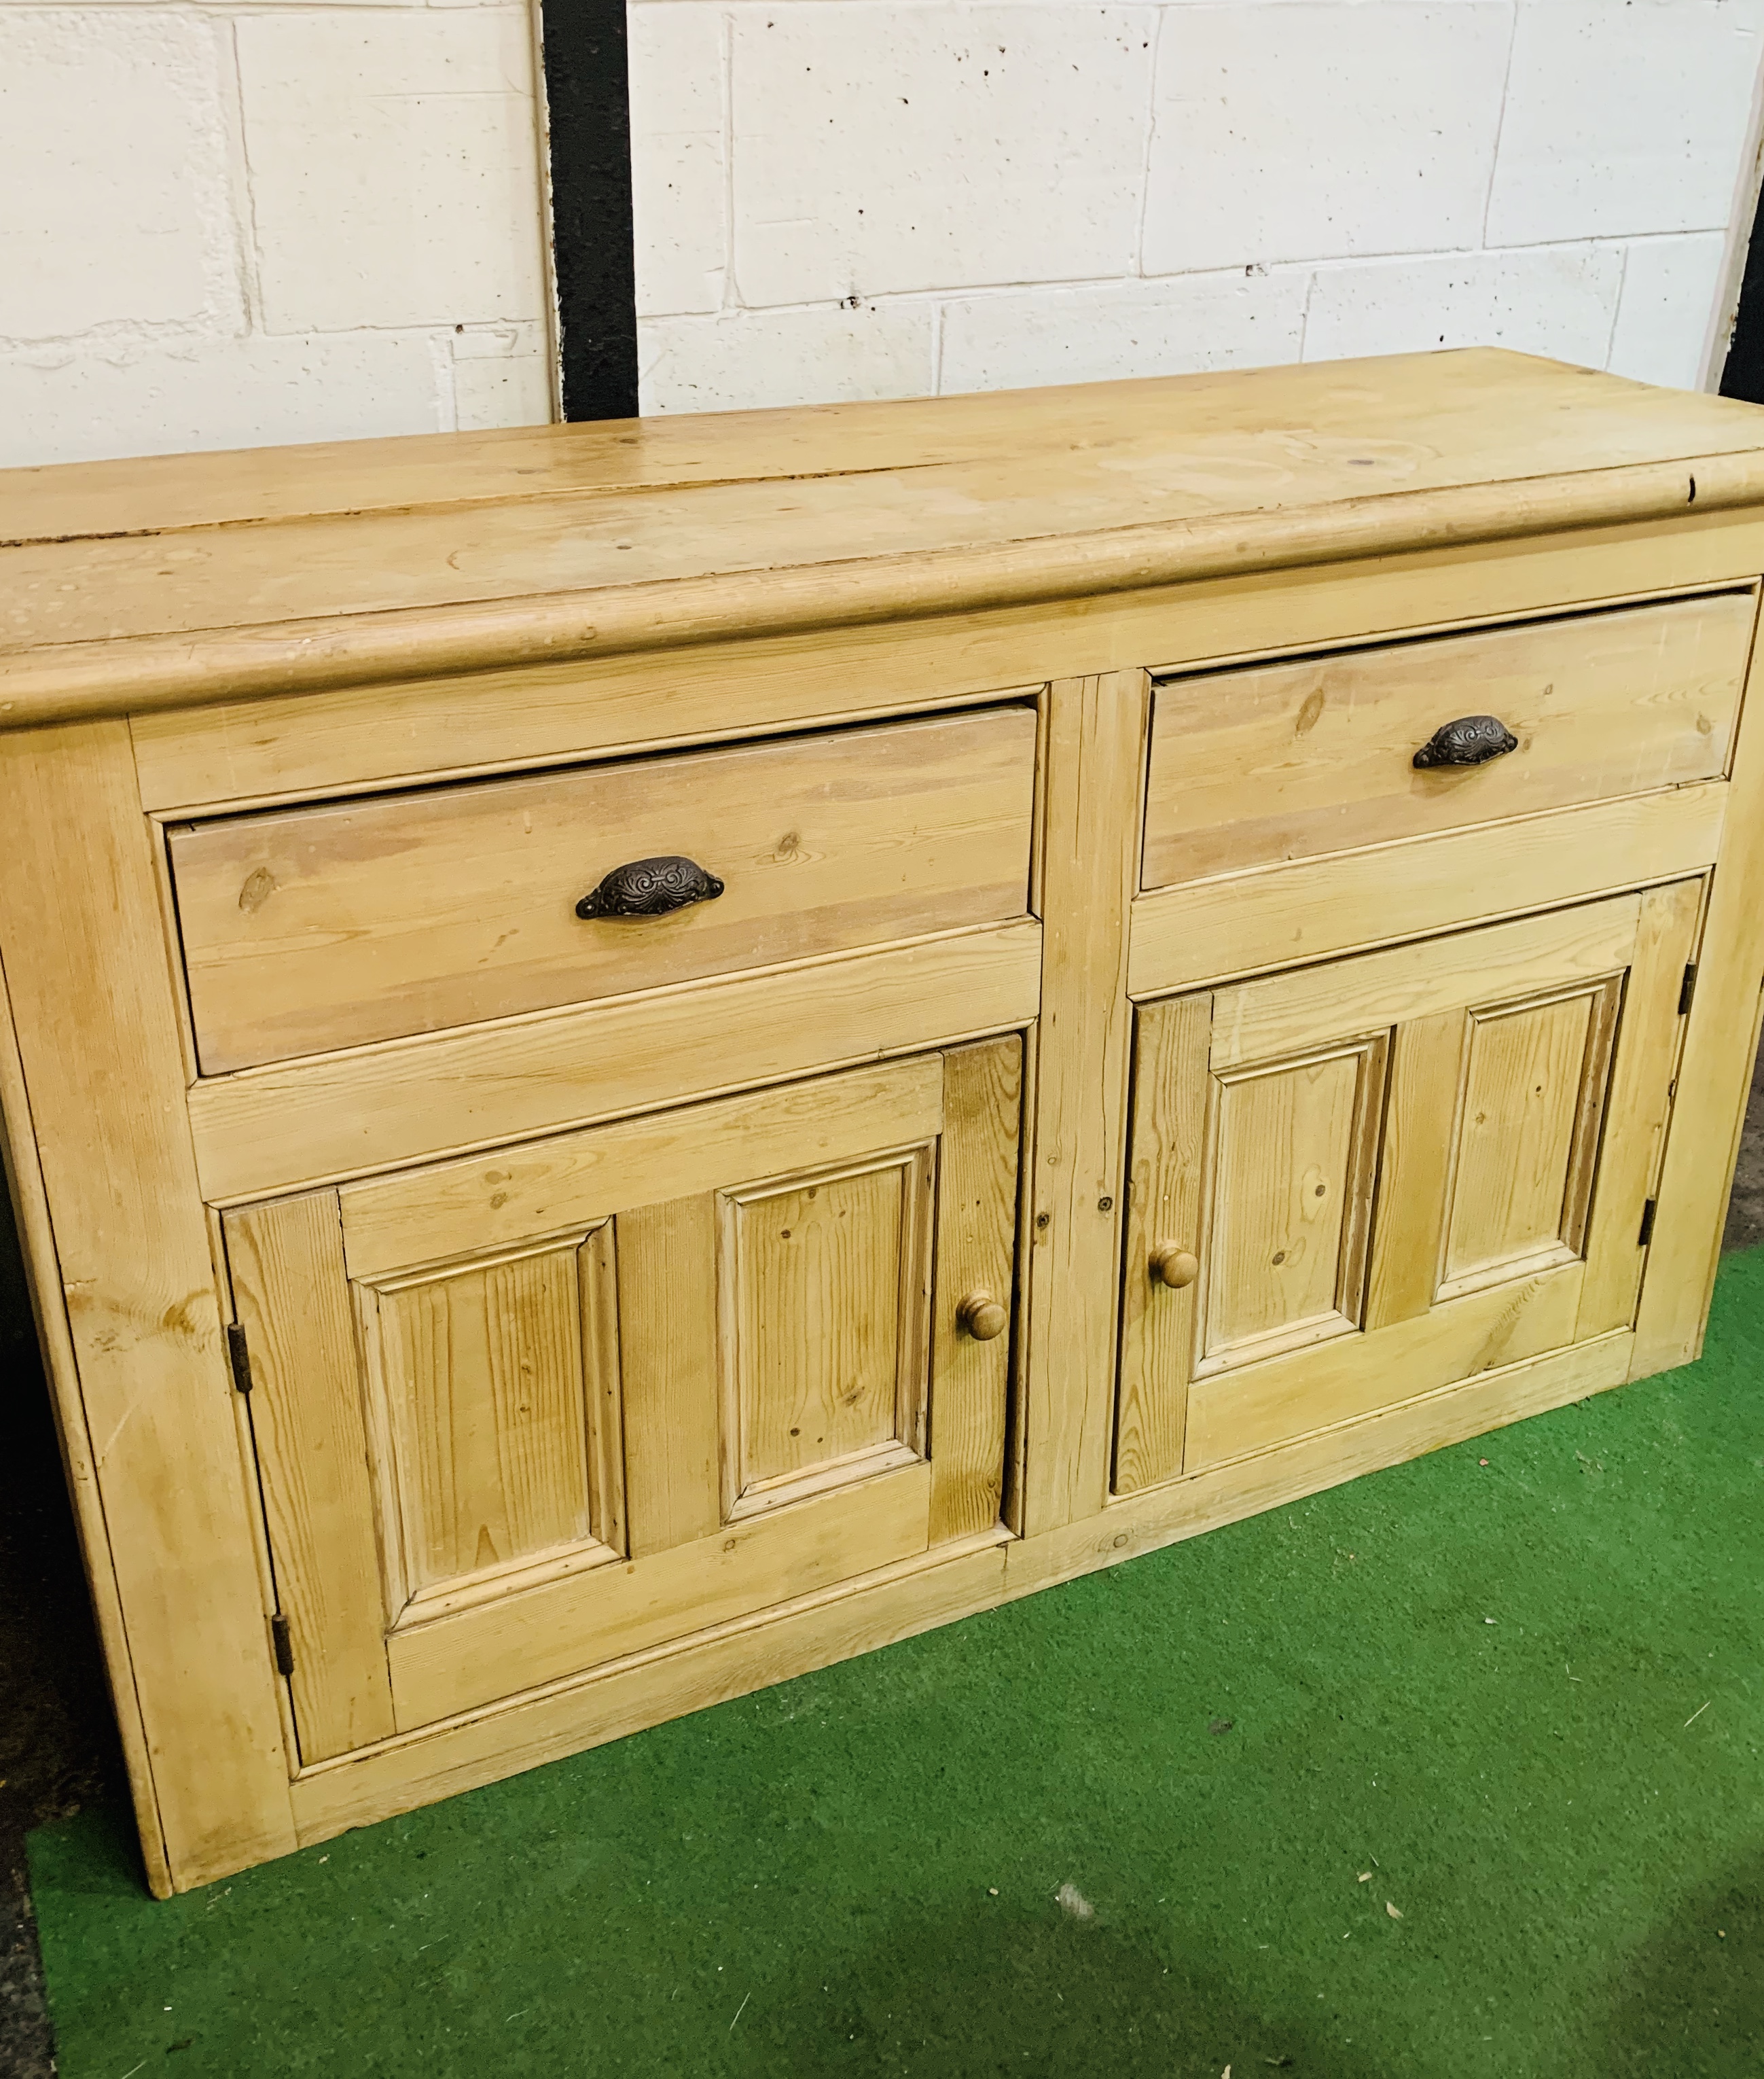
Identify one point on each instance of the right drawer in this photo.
(1316, 755)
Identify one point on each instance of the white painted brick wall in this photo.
(985, 144)
(223, 226)
(1304, 133)
(117, 121)
(228, 221)
(841, 199)
(409, 137)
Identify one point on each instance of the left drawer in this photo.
(338, 924)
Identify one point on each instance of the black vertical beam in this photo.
(1743, 375)
(587, 88)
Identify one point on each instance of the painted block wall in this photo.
(223, 226)
(230, 222)
(842, 198)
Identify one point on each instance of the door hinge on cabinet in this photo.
(1646, 1235)
(282, 1640)
(1687, 988)
(239, 1357)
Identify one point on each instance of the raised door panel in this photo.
(1377, 1176)
(495, 1384)
(828, 1281)
(1292, 1163)
(583, 1397)
(1532, 1092)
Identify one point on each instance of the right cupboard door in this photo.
(1356, 1183)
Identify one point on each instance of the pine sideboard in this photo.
(641, 1057)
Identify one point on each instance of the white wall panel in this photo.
(1560, 301)
(1622, 120)
(1669, 285)
(502, 375)
(879, 149)
(745, 360)
(1302, 131)
(680, 201)
(237, 221)
(81, 404)
(1167, 327)
(394, 166)
(115, 203)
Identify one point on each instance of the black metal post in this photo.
(1744, 375)
(587, 87)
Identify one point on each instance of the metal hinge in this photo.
(282, 1641)
(1687, 988)
(1646, 1235)
(239, 1357)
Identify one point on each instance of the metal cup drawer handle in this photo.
(650, 888)
(1470, 740)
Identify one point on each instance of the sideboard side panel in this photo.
(36, 1239)
(1703, 1138)
(82, 941)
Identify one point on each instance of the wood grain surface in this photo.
(1289, 761)
(1184, 478)
(318, 928)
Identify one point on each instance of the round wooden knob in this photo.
(1174, 1266)
(983, 1316)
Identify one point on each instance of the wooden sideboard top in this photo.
(181, 580)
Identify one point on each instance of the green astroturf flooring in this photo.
(1027, 1844)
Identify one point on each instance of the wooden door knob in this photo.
(1174, 1266)
(983, 1316)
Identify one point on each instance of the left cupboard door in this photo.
(526, 1412)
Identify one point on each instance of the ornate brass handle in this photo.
(982, 1316)
(650, 888)
(1173, 1265)
(1470, 740)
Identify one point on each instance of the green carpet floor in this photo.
(1453, 1772)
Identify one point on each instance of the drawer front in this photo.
(1289, 761)
(307, 930)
